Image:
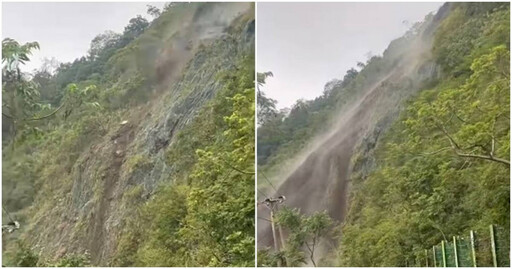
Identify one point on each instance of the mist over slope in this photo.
(114, 184)
(318, 179)
(322, 154)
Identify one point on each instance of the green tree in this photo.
(305, 232)
(135, 27)
(474, 118)
(20, 96)
(153, 11)
(266, 106)
(104, 43)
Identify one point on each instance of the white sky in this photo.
(307, 44)
(65, 30)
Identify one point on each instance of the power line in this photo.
(261, 192)
(7, 212)
(271, 185)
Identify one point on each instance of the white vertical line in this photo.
(256, 134)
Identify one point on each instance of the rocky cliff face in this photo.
(320, 178)
(187, 53)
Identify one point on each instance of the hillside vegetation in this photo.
(443, 167)
(140, 153)
(433, 160)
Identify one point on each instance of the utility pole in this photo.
(272, 205)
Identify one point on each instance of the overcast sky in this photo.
(65, 30)
(307, 44)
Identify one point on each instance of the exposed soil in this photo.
(111, 176)
(322, 180)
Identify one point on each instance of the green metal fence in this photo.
(502, 237)
(479, 249)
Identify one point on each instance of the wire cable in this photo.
(262, 193)
(271, 185)
(7, 213)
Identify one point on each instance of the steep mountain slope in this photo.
(442, 168)
(93, 173)
(318, 180)
(340, 131)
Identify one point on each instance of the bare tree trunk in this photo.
(312, 251)
(456, 148)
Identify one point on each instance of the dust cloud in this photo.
(319, 178)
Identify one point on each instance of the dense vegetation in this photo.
(303, 239)
(56, 122)
(26, 257)
(441, 167)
